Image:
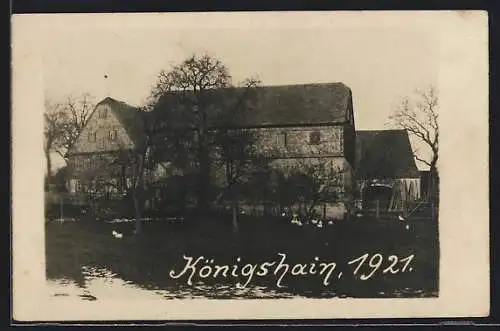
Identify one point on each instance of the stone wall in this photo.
(300, 141)
(297, 148)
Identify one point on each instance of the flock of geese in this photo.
(295, 220)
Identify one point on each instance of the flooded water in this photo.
(101, 283)
(86, 262)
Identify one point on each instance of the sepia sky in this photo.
(381, 58)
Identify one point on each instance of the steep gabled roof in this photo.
(383, 154)
(130, 117)
(281, 105)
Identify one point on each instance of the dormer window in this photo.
(103, 112)
(92, 137)
(314, 138)
(112, 135)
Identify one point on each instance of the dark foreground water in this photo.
(364, 259)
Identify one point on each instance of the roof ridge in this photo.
(110, 99)
(275, 86)
(304, 84)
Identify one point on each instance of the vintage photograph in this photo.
(281, 184)
(241, 161)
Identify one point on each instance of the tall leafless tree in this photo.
(235, 148)
(135, 165)
(135, 162)
(239, 158)
(419, 116)
(78, 112)
(54, 123)
(64, 120)
(193, 95)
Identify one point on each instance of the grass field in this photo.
(146, 260)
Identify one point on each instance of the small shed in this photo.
(386, 173)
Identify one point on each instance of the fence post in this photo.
(377, 209)
(61, 207)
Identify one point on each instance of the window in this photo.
(282, 139)
(314, 138)
(92, 136)
(78, 186)
(103, 112)
(73, 185)
(112, 135)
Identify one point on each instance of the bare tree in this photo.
(239, 158)
(63, 123)
(78, 111)
(54, 126)
(235, 147)
(310, 182)
(135, 163)
(132, 165)
(191, 95)
(419, 116)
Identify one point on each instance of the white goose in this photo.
(117, 235)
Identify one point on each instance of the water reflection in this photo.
(101, 283)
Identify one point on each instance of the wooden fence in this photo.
(411, 209)
(79, 199)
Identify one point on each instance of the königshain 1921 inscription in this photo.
(219, 164)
